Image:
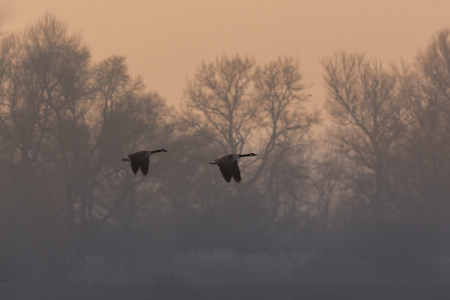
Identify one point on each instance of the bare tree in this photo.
(274, 120)
(283, 121)
(123, 118)
(228, 102)
(44, 87)
(425, 150)
(362, 101)
(218, 105)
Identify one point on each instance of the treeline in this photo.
(370, 191)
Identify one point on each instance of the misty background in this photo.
(354, 191)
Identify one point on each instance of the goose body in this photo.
(229, 167)
(141, 160)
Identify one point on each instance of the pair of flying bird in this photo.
(228, 163)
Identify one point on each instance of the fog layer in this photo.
(361, 198)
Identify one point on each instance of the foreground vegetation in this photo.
(212, 292)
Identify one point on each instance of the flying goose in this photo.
(229, 166)
(141, 160)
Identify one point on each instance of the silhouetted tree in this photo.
(45, 78)
(362, 100)
(424, 154)
(233, 106)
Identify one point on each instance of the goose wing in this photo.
(135, 161)
(235, 172)
(144, 165)
(225, 169)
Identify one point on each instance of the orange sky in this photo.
(165, 40)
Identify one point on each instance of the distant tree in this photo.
(328, 176)
(425, 152)
(64, 126)
(125, 119)
(362, 101)
(218, 105)
(234, 105)
(282, 119)
(44, 85)
(228, 102)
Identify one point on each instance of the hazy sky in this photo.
(165, 40)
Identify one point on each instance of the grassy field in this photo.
(223, 292)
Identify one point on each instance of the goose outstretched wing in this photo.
(225, 169)
(235, 172)
(135, 161)
(144, 165)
